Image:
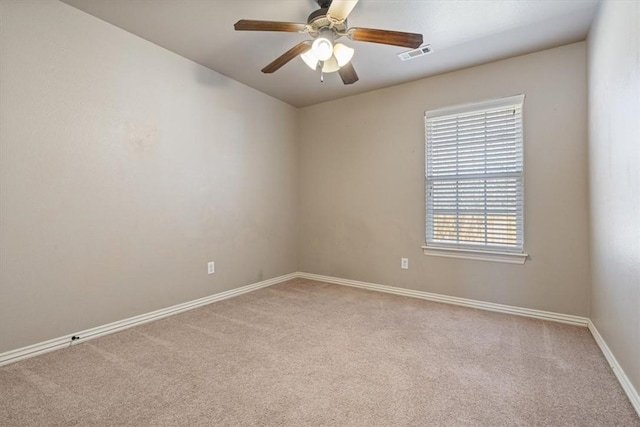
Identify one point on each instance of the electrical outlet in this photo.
(404, 263)
(211, 267)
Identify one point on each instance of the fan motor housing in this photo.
(318, 20)
(316, 14)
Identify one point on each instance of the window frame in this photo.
(473, 250)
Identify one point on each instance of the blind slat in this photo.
(474, 177)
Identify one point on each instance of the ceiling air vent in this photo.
(415, 53)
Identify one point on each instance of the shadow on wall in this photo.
(211, 78)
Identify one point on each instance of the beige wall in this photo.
(124, 169)
(614, 154)
(362, 184)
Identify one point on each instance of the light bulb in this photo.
(322, 48)
(343, 54)
(310, 59)
(330, 65)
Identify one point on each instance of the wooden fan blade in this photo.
(396, 38)
(250, 25)
(298, 49)
(340, 9)
(348, 74)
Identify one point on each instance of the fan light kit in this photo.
(325, 26)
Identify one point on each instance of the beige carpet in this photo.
(308, 353)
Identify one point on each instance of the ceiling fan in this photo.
(325, 26)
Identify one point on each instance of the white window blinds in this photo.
(474, 176)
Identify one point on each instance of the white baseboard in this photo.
(88, 334)
(624, 381)
(65, 341)
(500, 308)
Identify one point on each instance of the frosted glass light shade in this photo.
(330, 65)
(342, 53)
(322, 48)
(310, 59)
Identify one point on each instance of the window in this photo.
(475, 181)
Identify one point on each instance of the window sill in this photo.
(508, 257)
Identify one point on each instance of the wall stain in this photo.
(141, 138)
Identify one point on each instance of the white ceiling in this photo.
(462, 34)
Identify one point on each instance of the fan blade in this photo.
(340, 9)
(396, 38)
(298, 49)
(348, 74)
(249, 25)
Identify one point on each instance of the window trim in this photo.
(500, 254)
(480, 255)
